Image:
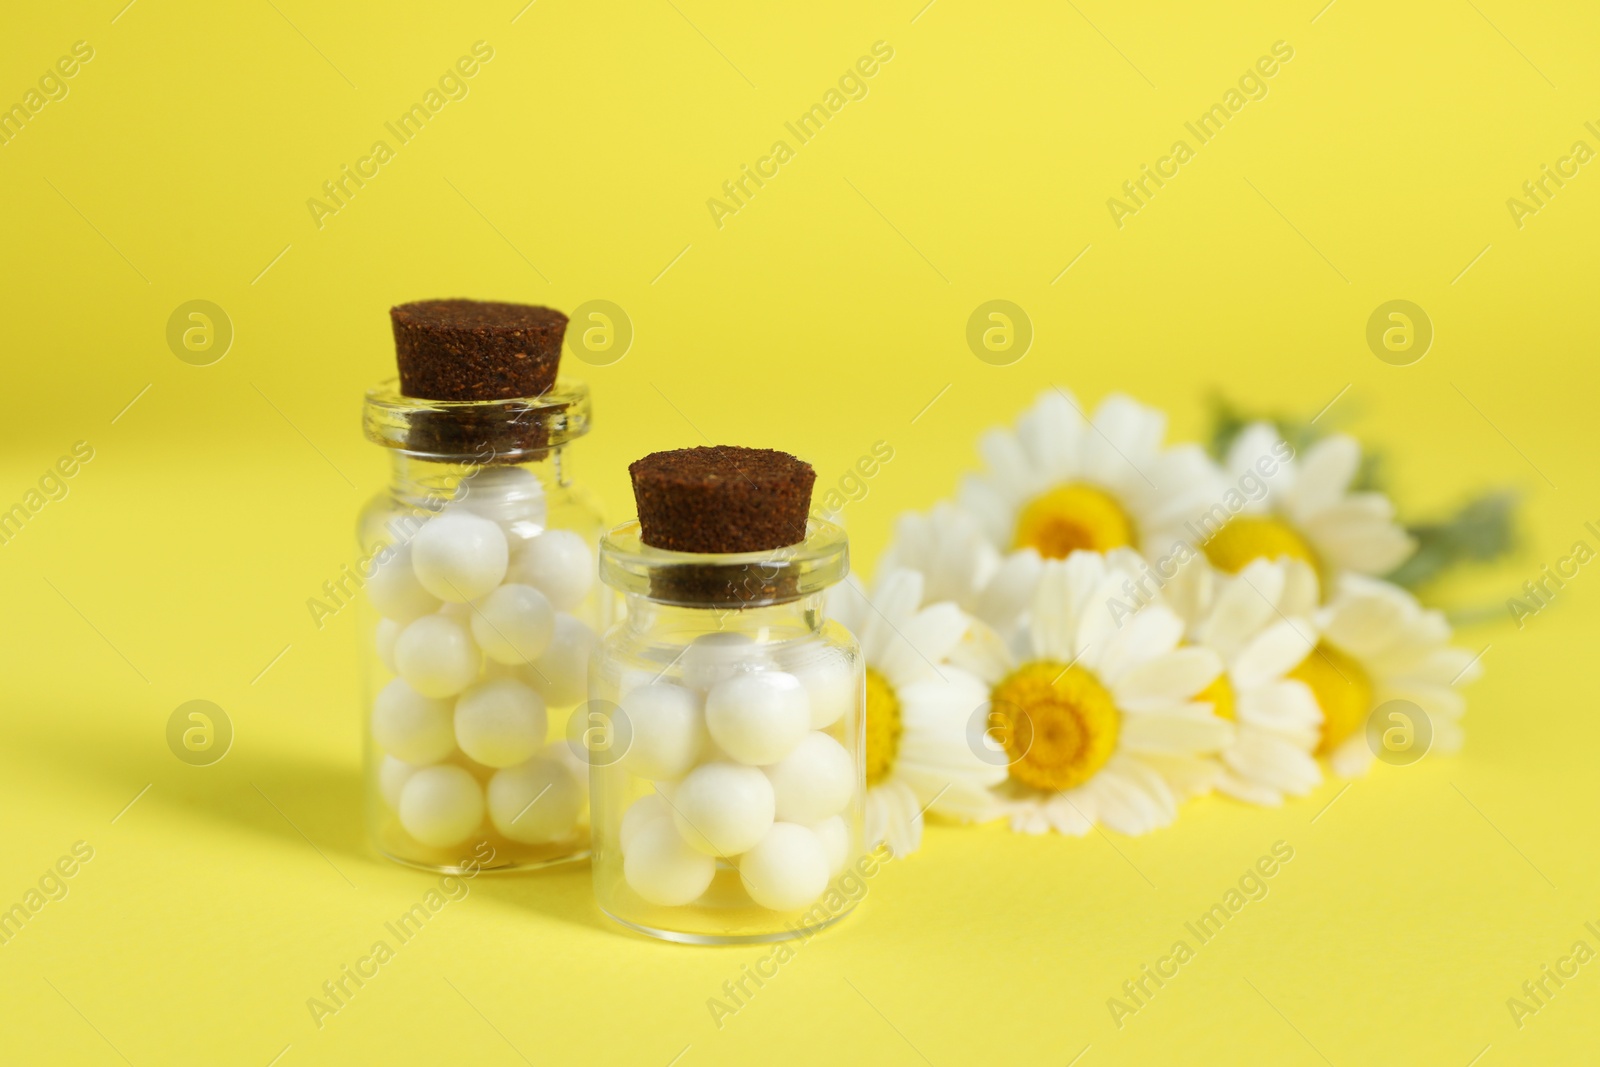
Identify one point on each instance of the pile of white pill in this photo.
(743, 768)
(478, 630)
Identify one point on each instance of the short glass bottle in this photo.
(727, 782)
(482, 612)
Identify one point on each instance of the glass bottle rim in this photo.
(504, 430)
(725, 579)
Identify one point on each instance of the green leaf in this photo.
(1228, 421)
(1483, 529)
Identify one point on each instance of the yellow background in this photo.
(821, 318)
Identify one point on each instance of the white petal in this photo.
(1071, 813)
(1240, 611)
(1050, 432)
(1186, 481)
(1010, 589)
(895, 820)
(1240, 788)
(1152, 632)
(1373, 549)
(1185, 776)
(1191, 592)
(1009, 469)
(1301, 591)
(983, 653)
(1286, 707)
(896, 596)
(1269, 760)
(1352, 758)
(1166, 680)
(1131, 800)
(923, 642)
(1276, 650)
(1368, 615)
(1174, 734)
(1260, 442)
(1123, 440)
(993, 511)
(1324, 475)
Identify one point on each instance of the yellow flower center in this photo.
(883, 727)
(1057, 723)
(1072, 517)
(1250, 537)
(1342, 689)
(1220, 696)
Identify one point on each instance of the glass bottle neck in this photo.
(769, 622)
(429, 484)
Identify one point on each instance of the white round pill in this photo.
(441, 806)
(388, 631)
(722, 809)
(711, 658)
(560, 564)
(561, 672)
(830, 683)
(459, 556)
(647, 809)
(411, 726)
(663, 869)
(835, 837)
(814, 781)
(758, 718)
(513, 624)
(666, 731)
(394, 589)
(564, 753)
(436, 655)
(787, 869)
(393, 774)
(511, 496)
(535, 801)
(500, 722)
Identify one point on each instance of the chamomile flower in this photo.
(918, 709)
(1307, 511)
(1260, 621)
(1099, 723)
(959, 564)
(1059, 484)
(1378, 644)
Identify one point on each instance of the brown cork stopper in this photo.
(722, 499)
(476, 350)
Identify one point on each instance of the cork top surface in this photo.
(476, 350)
(488, 315)
(722, 498)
